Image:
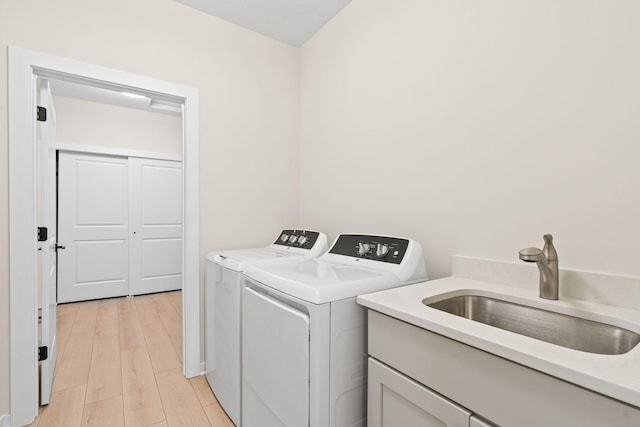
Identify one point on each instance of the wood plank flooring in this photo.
(119, 363)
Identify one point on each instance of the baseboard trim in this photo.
(203, 368)
(5, 420)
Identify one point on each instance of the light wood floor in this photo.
(119, 364)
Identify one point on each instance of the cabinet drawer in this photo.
(396, 400)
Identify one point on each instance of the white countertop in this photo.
(617, 376)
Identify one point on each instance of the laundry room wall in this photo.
(248, 108)
(477, 127)
(103, 125)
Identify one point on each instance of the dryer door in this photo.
(275, 357)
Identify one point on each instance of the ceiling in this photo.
(290, 21)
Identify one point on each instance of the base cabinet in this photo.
(396, 400)
(420, 378)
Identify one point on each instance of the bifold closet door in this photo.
(155, 208)
(120, 222)
(93, 212)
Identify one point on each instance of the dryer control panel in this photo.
(376, 248)
(297, 238)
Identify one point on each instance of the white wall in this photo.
(4, 225)
(91, 123)
(248, 108)
(476, 127)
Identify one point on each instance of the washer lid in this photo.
(290, 245)
(319, 281)
(239, 259)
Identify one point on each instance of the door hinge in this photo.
(41, 114)
(42, 234)
(43, 353)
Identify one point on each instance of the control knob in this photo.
(302, 240)
(293, 238)
(382, 250)
(363, 248)
(284, 237)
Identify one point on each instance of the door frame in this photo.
(23, 66)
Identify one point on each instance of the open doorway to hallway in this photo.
(25, 67)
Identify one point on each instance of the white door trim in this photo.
(23, 66)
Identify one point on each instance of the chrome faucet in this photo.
(547, 262)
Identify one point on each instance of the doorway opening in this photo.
(25, 67)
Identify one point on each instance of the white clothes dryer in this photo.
(304, 337)
(223, 302)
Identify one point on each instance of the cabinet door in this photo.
(396, 400)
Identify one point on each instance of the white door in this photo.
(275, 363)
(155, 207)
(93, 212)
(46, 212)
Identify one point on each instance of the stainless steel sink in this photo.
(555, 328)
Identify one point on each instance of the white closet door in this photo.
(93, 227)
(156, 225)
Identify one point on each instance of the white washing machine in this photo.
(223, 296)
(304, 347)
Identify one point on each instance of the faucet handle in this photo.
(531, 254)
(548, 239)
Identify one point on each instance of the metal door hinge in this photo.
(42, 234)
(41, 114)
(43, 353)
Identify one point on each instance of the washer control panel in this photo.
(297, 238)
(376, 248)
